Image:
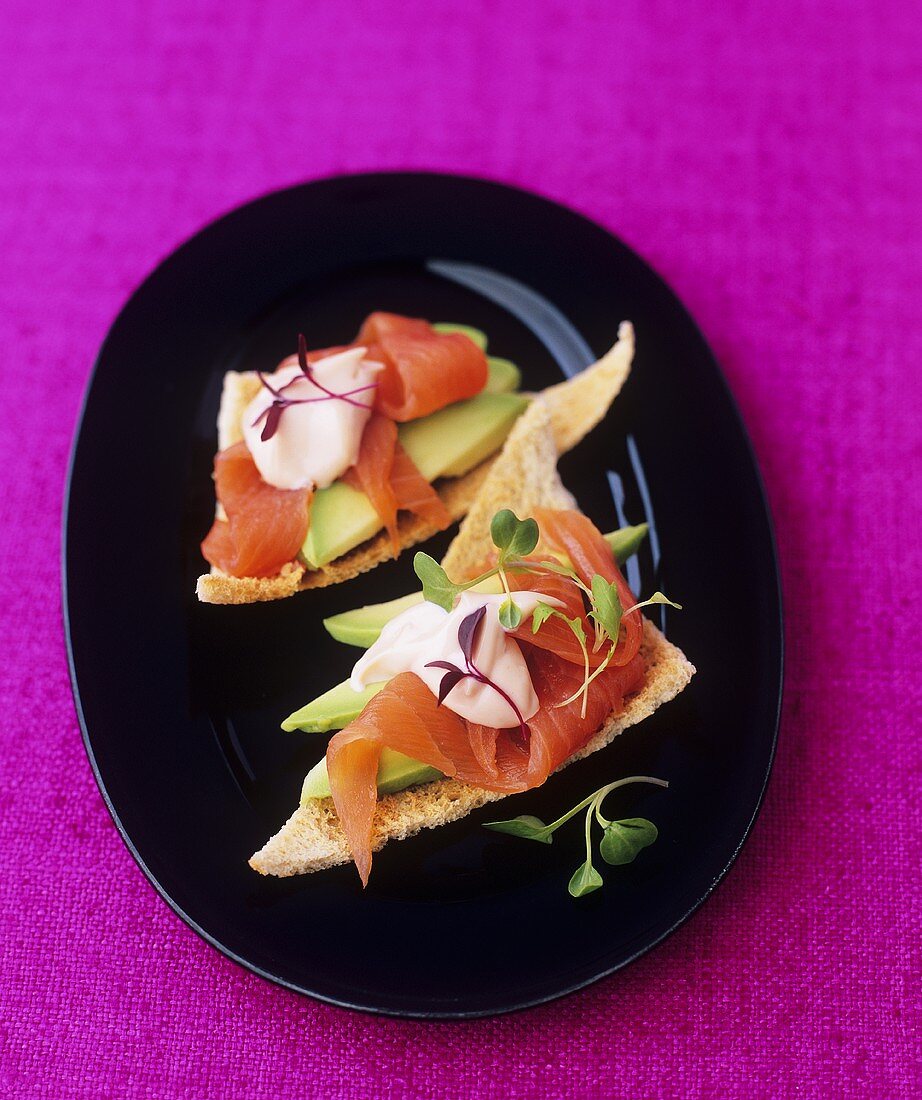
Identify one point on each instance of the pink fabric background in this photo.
(765, 157)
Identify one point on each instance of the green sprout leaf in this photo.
(657, 597)
(544, 611)
(606, 606)
(540, 616)
(576, 625)
(585, 879)
(437, 588)
(531, 828)
(513, 537)
(502, 528)
(624, 839)
(626, 540)
(525, 539)
(510, 614)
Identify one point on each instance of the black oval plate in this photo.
(180, 702)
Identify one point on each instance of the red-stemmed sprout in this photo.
(467, 638)
(272, 414)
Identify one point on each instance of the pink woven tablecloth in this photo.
(765, 157)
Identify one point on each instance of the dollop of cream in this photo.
(315, 443)
(427, 632)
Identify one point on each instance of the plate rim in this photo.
(533, 1001)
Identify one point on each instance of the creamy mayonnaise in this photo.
(426, 632)
(314, 443)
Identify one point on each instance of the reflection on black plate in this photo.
(180, 702)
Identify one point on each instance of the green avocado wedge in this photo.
(362, 625)
(455, 439)
(625, 542)
(333, 710)
(341, 519)
(395, 773)
(504, 376)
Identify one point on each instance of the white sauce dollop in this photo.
(427, 632)
(314, 443)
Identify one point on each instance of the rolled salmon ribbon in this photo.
(424, 370)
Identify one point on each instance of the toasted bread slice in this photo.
(575, 407)
(523, 478)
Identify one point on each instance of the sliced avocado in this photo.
(504, 376)
(341, 518)
(362, 625)
(331, 711)
(473, 334)
(395, 772)
(453, 440)
(446, 443)
(625, 541)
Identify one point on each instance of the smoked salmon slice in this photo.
(577, 537)
(373, 471)
(265, 527)
(387, 475)
(557, 732)
(424, 370)
(554, 634)
(415, 494)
